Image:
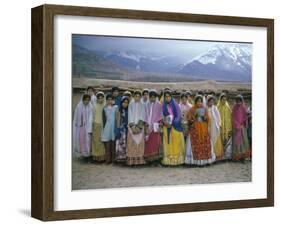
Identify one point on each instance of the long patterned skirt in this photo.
(121, 145)
(174, 150)
(135, 148)
(199, 148)
(241, 149)
(152, 147)
(98, 150)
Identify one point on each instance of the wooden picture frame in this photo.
(42, 203)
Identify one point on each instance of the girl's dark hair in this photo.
(100, 94)
(213, 93)
(239, 98)
(86, 96)
(183, 95)
(200, 92)
(137, 92)
(90, 87)
(188, 93)
(169, 92)
(145, 91)
(109, 95)
(222, 95)
(124, 98)
(197, 98)
(153, 93)
(114, 88)
(210, 97)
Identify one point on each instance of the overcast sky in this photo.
(186, 48)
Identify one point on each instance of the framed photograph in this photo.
(142, 112)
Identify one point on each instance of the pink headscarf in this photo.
(153, 113)
(239, 118)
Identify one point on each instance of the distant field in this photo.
(192, 85)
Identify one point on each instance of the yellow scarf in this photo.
(226, 120)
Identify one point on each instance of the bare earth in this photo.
(97, 176)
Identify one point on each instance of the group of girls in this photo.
(146, 128)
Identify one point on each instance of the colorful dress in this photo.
(153, 116)
(98, 150)
(226, 128)
(214, 132)
(82, 129)
(135, 142)
(184, 111)
(240, 147)
(173, 140)
(199, 150)
(121, 133)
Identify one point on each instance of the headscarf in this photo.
(82, 118)
(225, 113)
(98, 108)
(153, 113)
(136, 112)
(239, 118)
(176, 124)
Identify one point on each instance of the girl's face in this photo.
(239, 102)
(152, 98)
(115, 93)
(137, 97)
(145, 96)
(184, 100)
(86, 101)
(223, 100)
(125, 104)
(100, 99)
(109, 101)
(91, 92)
(210, 102)
(199, 103)
(168, 98)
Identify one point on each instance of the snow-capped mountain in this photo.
(232, 62)
(222, 62)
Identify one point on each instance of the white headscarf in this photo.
(82, 118)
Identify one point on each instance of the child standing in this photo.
(82, 127)
(108, 133)
(98, 150)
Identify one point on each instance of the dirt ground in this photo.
(98, 176)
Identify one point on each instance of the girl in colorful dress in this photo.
(184, 107)
(98, 150)
(226, 125)
(153, 118)
(108, 133)
(82, 127)
(122, 129)
(240, 147)
(214, 128)
(199, 148)
(173, 140)
(135, 139)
